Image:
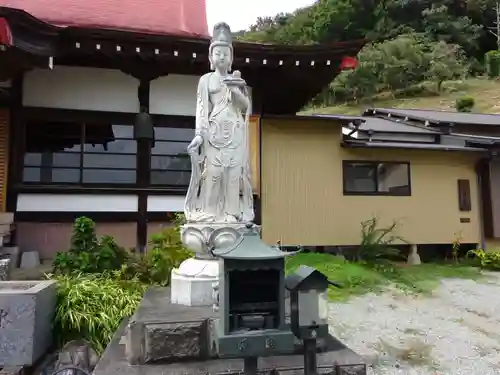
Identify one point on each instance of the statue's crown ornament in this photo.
(222, 35)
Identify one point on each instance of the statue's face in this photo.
(221, 57)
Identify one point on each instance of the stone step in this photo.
(30, 259)
(6, 218)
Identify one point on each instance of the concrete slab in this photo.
(114, 362)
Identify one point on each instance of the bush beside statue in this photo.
(100, 282)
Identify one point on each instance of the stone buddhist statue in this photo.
(220, 189)
(219, 202)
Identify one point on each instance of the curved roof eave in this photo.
(289, 76)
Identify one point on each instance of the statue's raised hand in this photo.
(195, 144)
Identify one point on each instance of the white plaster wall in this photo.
(166, 203)
(81, 88)
(76, 203)
(173, 95)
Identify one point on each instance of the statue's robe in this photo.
(193, 205)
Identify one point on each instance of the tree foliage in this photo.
(397, 65)
(409, 41)
(461, 22)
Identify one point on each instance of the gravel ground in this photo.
(456, 331)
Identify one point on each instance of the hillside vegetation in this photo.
(414, 47)
(486, 94)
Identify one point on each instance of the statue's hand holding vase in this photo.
(234, 80)
(237, 86)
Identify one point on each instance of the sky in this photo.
(240, 14)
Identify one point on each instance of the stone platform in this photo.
(165, 338)
(161, 330)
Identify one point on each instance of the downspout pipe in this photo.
(479, 166)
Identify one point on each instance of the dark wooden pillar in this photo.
(145, 74)
(143, 172)
(17, 138)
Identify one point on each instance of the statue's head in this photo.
(221, 48)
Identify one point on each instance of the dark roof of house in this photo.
(380, 125)
(436, 117)
(338, 119)
(388, 126)
(406, 145)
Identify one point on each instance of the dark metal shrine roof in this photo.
(250, 247)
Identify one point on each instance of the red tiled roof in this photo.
(165, 17)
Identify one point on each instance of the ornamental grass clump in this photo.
(488, 260)
(91, 307)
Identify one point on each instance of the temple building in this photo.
(74, 76)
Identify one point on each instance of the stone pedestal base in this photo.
(192, 283)
(201, 237)
(414, 258)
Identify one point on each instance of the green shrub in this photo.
(165, 253)
(91, 307)
(377, 243)
(447, 61)
(464, 104)
(88, 253)
(492, 60)
(395, 66)
(489, 260)
(476, 68)
(100, 283)
(83, 238)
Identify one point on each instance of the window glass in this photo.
(393, 178)
(123, 131)
(108, 176)
(360, 178)
(52, 159)
(387, 178)
(174, 134)
(117, 146)
(109, 161)
(74, 152)
(177, 178)
(106, 138)
(169, 148)
(178, 163)
(47, 175)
